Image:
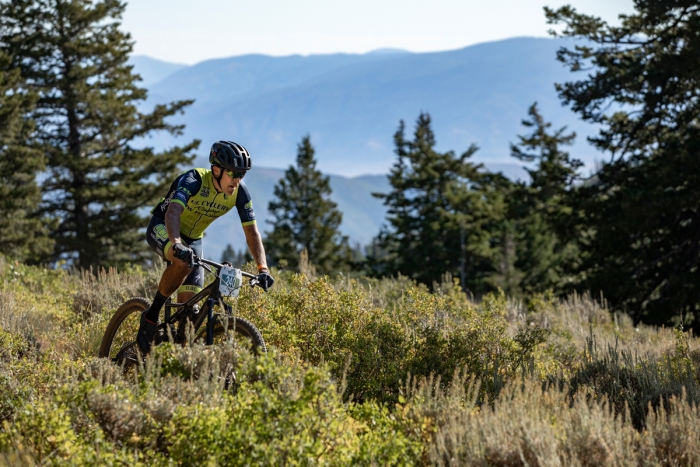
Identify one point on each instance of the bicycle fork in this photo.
(212, 318)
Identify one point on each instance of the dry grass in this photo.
(13, 318)
(106, 289)
(615, 393)
(529, 426)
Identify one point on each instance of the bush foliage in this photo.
(360, 372)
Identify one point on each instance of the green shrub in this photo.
(360, 372)
(421, 334)
(385, 439)
(45, 429)
(280, 414)
(17, 354)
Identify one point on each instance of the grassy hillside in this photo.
(361, 372)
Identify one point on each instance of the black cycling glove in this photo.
(265, 280)
(183, 253)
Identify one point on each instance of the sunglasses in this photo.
(234, 174)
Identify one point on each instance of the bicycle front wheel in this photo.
(246, 334)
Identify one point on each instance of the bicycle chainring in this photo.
(127, 355)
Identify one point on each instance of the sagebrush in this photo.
(360, 372)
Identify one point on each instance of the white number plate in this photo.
(231, 281)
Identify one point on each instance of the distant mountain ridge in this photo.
(351, 104)
(387, 51)
(153, 70)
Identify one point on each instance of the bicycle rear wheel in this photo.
(119, 340)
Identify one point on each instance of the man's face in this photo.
(228, 183)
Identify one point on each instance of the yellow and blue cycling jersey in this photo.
(195, 191)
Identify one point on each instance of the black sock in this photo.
(154, 311)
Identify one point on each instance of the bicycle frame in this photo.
(213, 295)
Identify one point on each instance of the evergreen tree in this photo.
(542, 211)
(236, 258)
(555, 171)
(229, 254)
(506, 274)
(22, 234)
(305, 218)
(73, 55)
(644, 203)
(441, 212)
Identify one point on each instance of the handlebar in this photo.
(206, 263)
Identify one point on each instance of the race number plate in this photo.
(231, 281)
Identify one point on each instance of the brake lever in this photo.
(254, 282)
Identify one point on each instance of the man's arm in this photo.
(188, 184)
(172, 222)
(255, 245)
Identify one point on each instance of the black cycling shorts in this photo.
(157, 238)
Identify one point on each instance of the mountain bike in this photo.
(181, 319)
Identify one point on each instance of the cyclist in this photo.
(195, 199)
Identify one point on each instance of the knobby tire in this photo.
(244, 328)
(133, 305)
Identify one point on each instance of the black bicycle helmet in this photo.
(229, 155)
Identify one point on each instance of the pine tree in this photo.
(441, 211)
(542, 210)
(236, 258)
(506, 274)
(305, 218)
(73, 55)
(555, 171)
(643, 206)
(229, 254)
(23, 235)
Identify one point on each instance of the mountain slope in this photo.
(351, 104)
(221, 80)
(152, 70)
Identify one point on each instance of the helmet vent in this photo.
(229, 155)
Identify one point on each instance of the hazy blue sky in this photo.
(189, 31)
